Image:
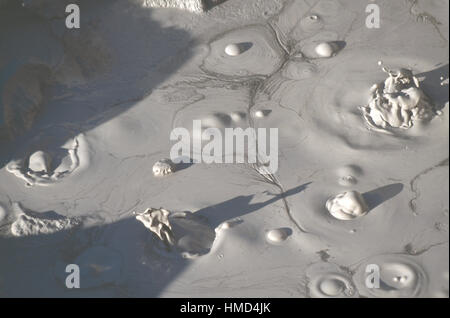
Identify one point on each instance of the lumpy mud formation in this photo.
(86, 116)
(190, 5)
(399, 102)
(278, 235)
(44, 161)
(238, 58)
(163, 167)
(195, 6)
(157, 221)
(347, 206)
(29, 223)
(180, 231)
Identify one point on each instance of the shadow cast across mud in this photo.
(380, 195)
(240, 206)
(338, 45)
(116, 259)
(117, 57)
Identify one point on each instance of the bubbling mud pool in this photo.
(304, 68)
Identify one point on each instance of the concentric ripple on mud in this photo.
(400, 276)
(328, 281)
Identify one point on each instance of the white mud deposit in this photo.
(2, 213)
(253, 51)
(30, 223)
(196, 6)
(276, 236)
(348, 175)
(399, 102)
(45, 161)
(163, 167)
(262, 113)
(23, 99)
(184, 231)
(347, 206)
(325, 49)
(90, 112)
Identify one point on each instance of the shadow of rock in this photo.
(128, 251)
(380, 195)
(95, 73)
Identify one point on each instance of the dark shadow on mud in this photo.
(145, 270)
(380, 195)
(209, 4)
(339, 45)
(239, 206)
(244, 46)
(115, 69)
(182, 163)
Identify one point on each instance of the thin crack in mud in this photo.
(425, 17)
(256, 83)
(410, 250)
(413, 183)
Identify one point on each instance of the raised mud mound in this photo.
(163, 167)
(31, 223)
(347, 206)
(327, 280)
(399, 102)
(49, 157)
(248, 51)
(400, 276)
(196, 6)
(183, 232)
